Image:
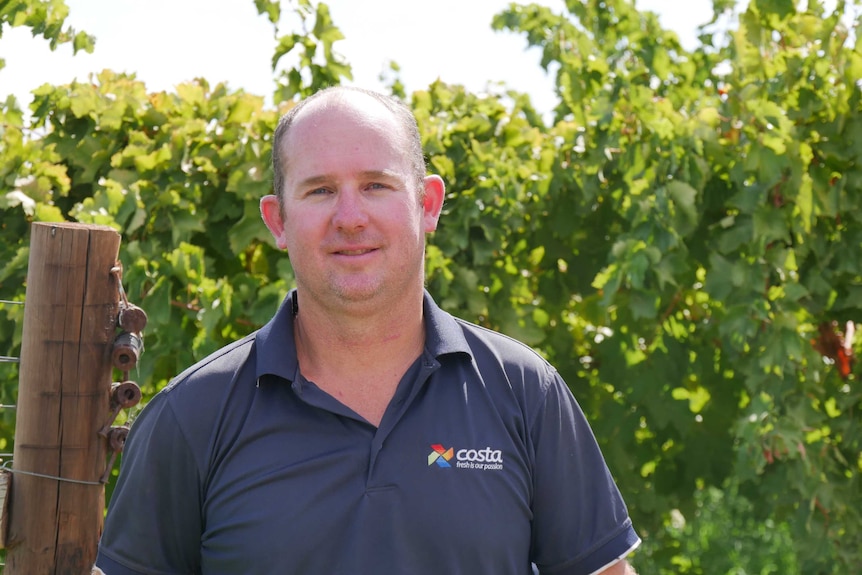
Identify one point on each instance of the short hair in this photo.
(401, 112)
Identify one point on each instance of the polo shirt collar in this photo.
(443, 334)
(274, 343)
(276, 347)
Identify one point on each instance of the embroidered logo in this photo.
(486, 459)
(440, 455)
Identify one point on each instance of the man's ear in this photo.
(432, 203)
(270, 211)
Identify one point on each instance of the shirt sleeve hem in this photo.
(611, 551)
(111, 566)
(618, 559)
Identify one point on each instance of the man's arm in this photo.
(571, 474)
(618, 568)
(153, 522)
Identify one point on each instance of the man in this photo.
(363, 430)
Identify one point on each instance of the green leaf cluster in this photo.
(313, 64)
(705, 206)
(46, 18)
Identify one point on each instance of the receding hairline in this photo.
(344, 100)
(357, 98)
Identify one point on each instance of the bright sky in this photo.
(166, 42)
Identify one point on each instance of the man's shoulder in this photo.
(196, 399)
(220, 365)
(486, 343)
(513, 376)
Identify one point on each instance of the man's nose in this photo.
(351, 211)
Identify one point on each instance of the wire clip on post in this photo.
(124, 395)
(127, 349)
(116, 442)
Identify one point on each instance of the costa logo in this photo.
(486, 455)
(486, 459)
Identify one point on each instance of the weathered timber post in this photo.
(70, 317)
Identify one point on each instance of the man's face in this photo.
(353, 221)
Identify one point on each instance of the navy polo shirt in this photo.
(483, 463)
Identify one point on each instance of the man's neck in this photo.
(375, 340)
(359, 359)
(364, 331)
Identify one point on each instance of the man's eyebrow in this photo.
(381, 174)
(314, 181)
(364, 175)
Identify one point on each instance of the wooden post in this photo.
(70, 318)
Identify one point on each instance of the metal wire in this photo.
(6, 467)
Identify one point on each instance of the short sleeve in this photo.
(580, 522)
(153, 524)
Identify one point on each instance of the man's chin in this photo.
(356, 291)
(358, 294)
(377, 295)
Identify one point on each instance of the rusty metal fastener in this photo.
(126, 394)
(132, 318)
(123, 395)
(116, 443)
(117, 438)
(127, 350)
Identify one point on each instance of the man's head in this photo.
(402, 114)
(353, 203)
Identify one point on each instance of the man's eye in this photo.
(377, 186)
(318, 192)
